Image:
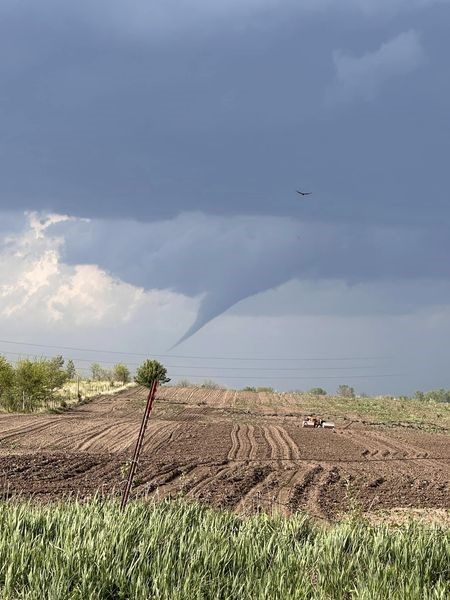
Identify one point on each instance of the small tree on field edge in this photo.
(345, 391)
(121, 373)
(6, 382)
(318, 391)
(150, 371)
(70, 370)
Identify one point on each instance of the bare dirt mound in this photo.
(200, 447)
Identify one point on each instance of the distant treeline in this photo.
(31, 384)
(440, 395)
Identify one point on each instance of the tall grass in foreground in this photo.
(173, 551)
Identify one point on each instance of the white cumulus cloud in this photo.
(37, 287)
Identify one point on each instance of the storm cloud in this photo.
(225, 116)
(181, 131)
(223, 260)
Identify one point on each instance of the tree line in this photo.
(36, 383)
(33, 384)
(30, 384)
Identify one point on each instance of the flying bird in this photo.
(303, 193)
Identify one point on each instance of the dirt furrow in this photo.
(92, 439)
(211, 473)
(29, 429)
(157, 435)
(235, 441)
(300, 496)
(282, 446)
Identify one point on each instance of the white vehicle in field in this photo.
(313, 422)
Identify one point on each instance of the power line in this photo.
(241, 358)
(347, 376)
(110, 362)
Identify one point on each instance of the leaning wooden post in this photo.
(139, 443)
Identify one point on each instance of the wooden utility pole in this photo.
(139, 444)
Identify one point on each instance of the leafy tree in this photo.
(70, 370)
(121, 373)
(150, 371)
(98, 373)
(249, 388)
(57, 361)
(56, 374)
(440, 395)
(318, 391)
(32, 383)
(345, 391)
(6, 382)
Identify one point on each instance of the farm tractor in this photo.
(313, 422)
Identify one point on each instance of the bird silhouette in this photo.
(303, 193)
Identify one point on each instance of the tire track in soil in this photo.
(29, 429)
(208, 477)
(126, 439)
(305, 493)
(163, 436)
(253, 442)
(282, 446)
(170, 483)
(378, 446)
(229, 484)
(404, 449)
(236, 441)
(244, 442)
(315, 504)
(255, 498)
(417, 479)
(44, 475)
(284, 450)
(92, 440)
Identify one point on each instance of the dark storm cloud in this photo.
(132, 113)
(224, 260)
(144, 111)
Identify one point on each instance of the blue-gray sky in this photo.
(174, 135)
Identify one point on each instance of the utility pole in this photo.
(139, 444)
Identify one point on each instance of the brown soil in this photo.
(199, 445)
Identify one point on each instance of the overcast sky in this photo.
(149, 157)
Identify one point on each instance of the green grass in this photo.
(176, 551)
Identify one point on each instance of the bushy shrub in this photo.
(345, 391)
(150, 371)
(184, 383)
(99, 373)
(121, 373)
(318, 391)
(209, 384)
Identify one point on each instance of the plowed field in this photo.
(243, 451)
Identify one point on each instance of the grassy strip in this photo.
(421, 414)
(177, 551)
